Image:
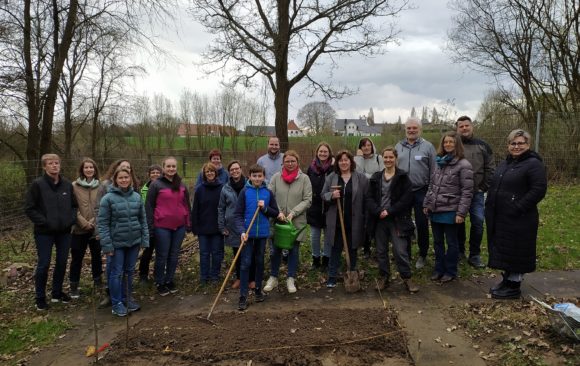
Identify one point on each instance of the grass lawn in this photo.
(23, 330)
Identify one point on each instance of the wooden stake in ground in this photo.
(127, 296)
(95, 324)
(233, 263)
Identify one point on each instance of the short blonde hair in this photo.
(517, 133)
(46, 157)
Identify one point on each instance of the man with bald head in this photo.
(416, 156)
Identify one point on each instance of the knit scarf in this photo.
(237, 186)
(92, 184)
(443, 160)
(289, 177)
(320, 167)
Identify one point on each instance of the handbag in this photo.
(285, 234)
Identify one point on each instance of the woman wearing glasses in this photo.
(511, 213)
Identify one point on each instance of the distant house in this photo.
(205, 130)
(356, 127)
(293, 129)
(261, 131)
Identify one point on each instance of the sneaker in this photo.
(411, 287)
(331, 282)
(291, 285)
(259, 296)
(243, 303)
(476, 262)
(447, 278)
(41, 304)
(162, 290)
(74, 290)
(119, 309)
(133, 306)
(236, 284)
(420, 262)
(63, 297)
(436, 276)
(171, 287)
(270, 284)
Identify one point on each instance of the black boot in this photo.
(500, 285)
(74, 290)
(315, 262)
(324, 264)
(511, 290)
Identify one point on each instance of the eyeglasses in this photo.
(519, 143)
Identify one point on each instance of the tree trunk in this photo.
(60, 55)
(32, 143)
(282, 92)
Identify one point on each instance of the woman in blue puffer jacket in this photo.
(123, 230)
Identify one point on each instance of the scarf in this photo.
(83, 183)
(319, 167)
(443, 160)
(289, 177)
(237, 186)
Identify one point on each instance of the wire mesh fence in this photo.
(555, 136)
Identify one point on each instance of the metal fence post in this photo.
(184, 166)
(538, 125)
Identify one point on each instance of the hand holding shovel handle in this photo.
(233, 262)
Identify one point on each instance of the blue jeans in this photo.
(211, 254)
(168, 243)
(253, 251)
(335, 252)
(315, 234)
(476, 217)
(78, 247)
(122, 263)
(421, 222)
(445, 261)
(44, 243)
(293, 259)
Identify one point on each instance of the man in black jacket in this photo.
(52, 208)
(480, 155)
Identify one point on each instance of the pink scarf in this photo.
(289, 177)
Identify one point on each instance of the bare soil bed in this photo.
(319, 336)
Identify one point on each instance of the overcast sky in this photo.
(416, 73)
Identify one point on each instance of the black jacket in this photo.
(511, 212)
(401, 201)
(316, 214)
(52, 208)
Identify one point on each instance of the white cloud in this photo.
(415, 74)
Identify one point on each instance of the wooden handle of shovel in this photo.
(242, 243)
(344, 242)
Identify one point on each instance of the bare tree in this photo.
(533, 44)
(319, 117)
(263, 37)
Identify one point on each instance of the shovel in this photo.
(351, 280)
(232, 266)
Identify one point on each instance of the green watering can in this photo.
(285, 234)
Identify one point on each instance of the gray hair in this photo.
(517, 133)
(414, 120)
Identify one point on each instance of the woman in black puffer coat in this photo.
(511, 214)
(320, 167)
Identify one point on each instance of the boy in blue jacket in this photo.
(254, 194)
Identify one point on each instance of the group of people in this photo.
(375, 192)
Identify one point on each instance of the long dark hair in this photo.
(82, 167)
(459, 151)
(339, 156)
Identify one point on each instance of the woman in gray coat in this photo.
(447, 203)
(226, 210)
(353, 187)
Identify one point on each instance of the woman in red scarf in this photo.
(293, 193)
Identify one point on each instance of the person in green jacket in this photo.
(153, 172)
(123, 229)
